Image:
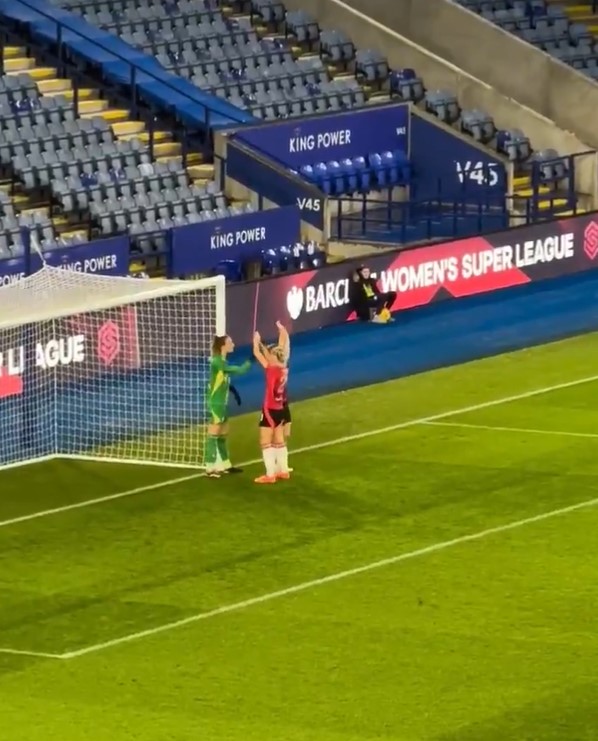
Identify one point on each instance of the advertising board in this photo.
(200, 247)
(419, 276)
(295, 143)
(102, 257)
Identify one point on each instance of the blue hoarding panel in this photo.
(444, 165)
(200, 247)
(102, 257)
(330, 138)
(270, 181)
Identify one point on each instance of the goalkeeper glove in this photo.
(235, 394)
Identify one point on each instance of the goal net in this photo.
(106, 368)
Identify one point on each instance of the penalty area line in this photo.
(167, 483)
(304, 586)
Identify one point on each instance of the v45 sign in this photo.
(478, 173)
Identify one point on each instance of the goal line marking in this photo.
(306, 449)
(523, 430)
(304, 586)
(38, 654)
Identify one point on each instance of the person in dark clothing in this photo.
(366, 299)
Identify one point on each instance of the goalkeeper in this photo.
(217, 456)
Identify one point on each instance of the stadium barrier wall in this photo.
(420, 276)
(103, 257)
(197, 248)
(306, 141)
(188, 250)
(511, 65)
(438, 73)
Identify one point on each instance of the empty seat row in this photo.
(308, 70)
(42, 236)
(47, 168)
(19, 221)
(11, 118)
(360, 174)
(217, 49)
(115, 20)
(176, 202)
(100, 191)
(51, 138)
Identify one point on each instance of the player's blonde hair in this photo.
(278, 352)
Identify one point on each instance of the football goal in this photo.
(106, 368)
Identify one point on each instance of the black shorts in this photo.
(273, 418)
(287, 414)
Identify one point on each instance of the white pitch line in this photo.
(304, 586)
(524, 430)
(39, 654)
(306, 449)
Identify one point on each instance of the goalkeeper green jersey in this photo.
(220, 373)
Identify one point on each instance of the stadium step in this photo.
(19, 64)
(128, 128)
(167, 149)
(10, 52)
(201, 172)
(529, 192)
(552, 203)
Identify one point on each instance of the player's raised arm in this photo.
(258, 351)
(284, 341)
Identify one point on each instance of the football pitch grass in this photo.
(429, 573)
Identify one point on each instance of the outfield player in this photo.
(272, 418)
(220, 373)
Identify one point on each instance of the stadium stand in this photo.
(562, 30)
(209, 65)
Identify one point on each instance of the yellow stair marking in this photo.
(84, 93)
(159, 136)
(527, 192)
(201, 172)
(45, 210)
(14, 51)
(573, 213)
(54, 85)
(19, 64)
(551, 203)
(195, 158)
(92, 107)
(43, 73)
(167, 149)
(113, 115)
(522, 180)
(125, 128)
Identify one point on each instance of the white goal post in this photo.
(106, 368)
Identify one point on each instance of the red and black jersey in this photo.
(276, 387)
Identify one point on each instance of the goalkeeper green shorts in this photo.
(218, 414)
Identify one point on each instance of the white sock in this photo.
(282, 459)
(269, 456)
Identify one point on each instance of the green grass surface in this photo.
(486, 640)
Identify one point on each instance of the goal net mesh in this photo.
(106, 368)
